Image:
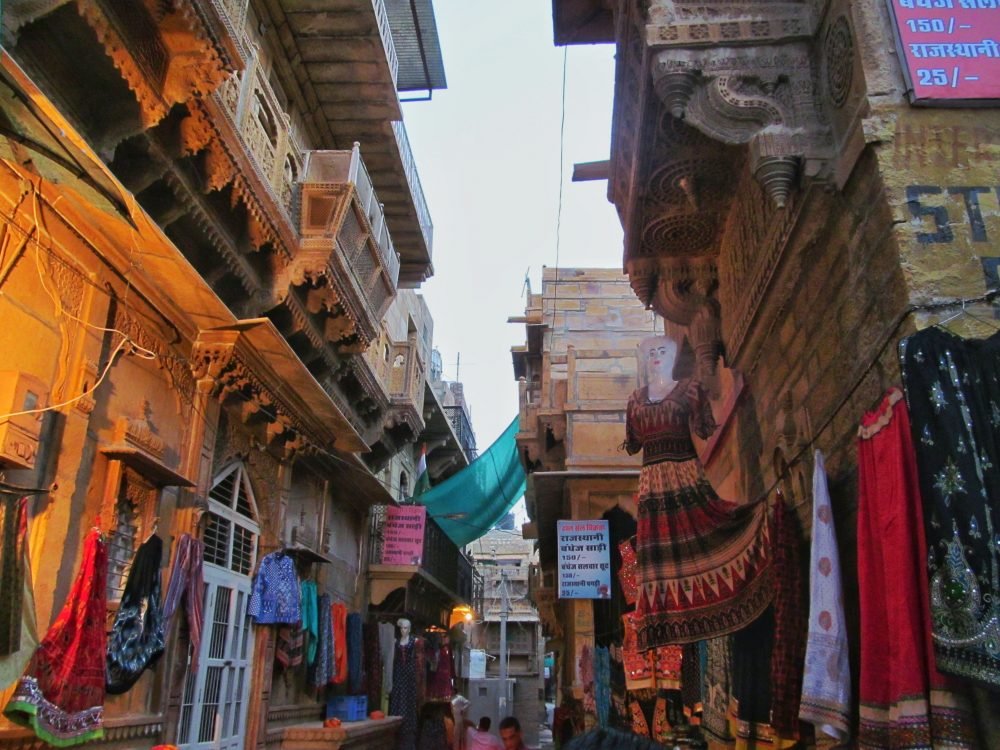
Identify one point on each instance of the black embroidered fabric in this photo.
(136, 639)
(953, 392)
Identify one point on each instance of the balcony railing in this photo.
(442, 560)
(385, 31)
(463, 429)
(406, 376)
(413, 178)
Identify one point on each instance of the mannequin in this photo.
(688, 539)
(407, 683)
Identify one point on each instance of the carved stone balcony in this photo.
(406, 387)
(345, 269)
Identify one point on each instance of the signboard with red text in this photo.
(403, 535)
(950, 49)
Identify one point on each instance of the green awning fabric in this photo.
(468, 504)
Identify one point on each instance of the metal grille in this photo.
(121, 547)
(216, 540)
(210, 704)
(243, 541)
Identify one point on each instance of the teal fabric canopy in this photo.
(470, 503)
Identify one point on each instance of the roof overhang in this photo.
(582, 22)
(418, 48)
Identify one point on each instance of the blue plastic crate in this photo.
(347, 707)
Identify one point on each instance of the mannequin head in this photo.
(657, 355)
(404, 629)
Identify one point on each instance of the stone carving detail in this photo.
(189, 60)
(838, 58)
(760, 96)
(238, 386)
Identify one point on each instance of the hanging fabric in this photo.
(373, 664)
(602, 684)
(717, 680)
(136, 640)
(187, 581)
(338, 616)
(953, 392)
(322, 668)
(788, 653)
(18, 628)
(826, 683)
(289, 646)
(61, 697)
(310, 619)
(275, 598)
(902, 695)
(387, 648)
(355, 655)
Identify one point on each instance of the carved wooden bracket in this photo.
(220, 356)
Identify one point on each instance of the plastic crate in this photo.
(347, 707)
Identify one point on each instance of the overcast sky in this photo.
(487, 149)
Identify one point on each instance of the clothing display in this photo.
(905, 701)
(136, 639)
(61, 696)
(289, 646)
(387, 649)
(322, 668)
(338, 617)
(355, 655)
(826, 682)
(275, 598)
(310, 619)
(716, 686)
(18, 628)
(953, 393)
(788, 652)
(187, 580)
(373, 664)
(703, 562)
(602, 684)
(627, 572)
(407, 674)
(440, 685)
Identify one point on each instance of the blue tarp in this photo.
(471, 502)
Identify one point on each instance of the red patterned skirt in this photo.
(704, 563)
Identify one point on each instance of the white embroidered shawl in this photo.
(826, 687)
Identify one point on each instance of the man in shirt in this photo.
(510, 734)
(479, 738)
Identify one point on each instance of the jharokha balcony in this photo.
(444, 578)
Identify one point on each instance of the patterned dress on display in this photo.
(407, 673)
(703, 562)
(61, 697)
(953, 393)
(18, 629)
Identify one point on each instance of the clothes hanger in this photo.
(965, 311)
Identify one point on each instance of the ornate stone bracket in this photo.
(238, 385)
(682, 290)
(763, 97)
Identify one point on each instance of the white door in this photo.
(213, 711)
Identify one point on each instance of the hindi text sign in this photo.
(950, 49)
(584, 560)
(403, 535)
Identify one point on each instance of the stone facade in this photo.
(792, 217)
(197, 274)
(575, 374)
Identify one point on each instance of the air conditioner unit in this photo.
(19, 434)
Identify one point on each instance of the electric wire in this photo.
(562, 179)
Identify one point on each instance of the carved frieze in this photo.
(166, 53)
(238, 385)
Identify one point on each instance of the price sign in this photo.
(950, 49)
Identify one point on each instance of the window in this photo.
(231, 534)
(404, 486)
(135, 519)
